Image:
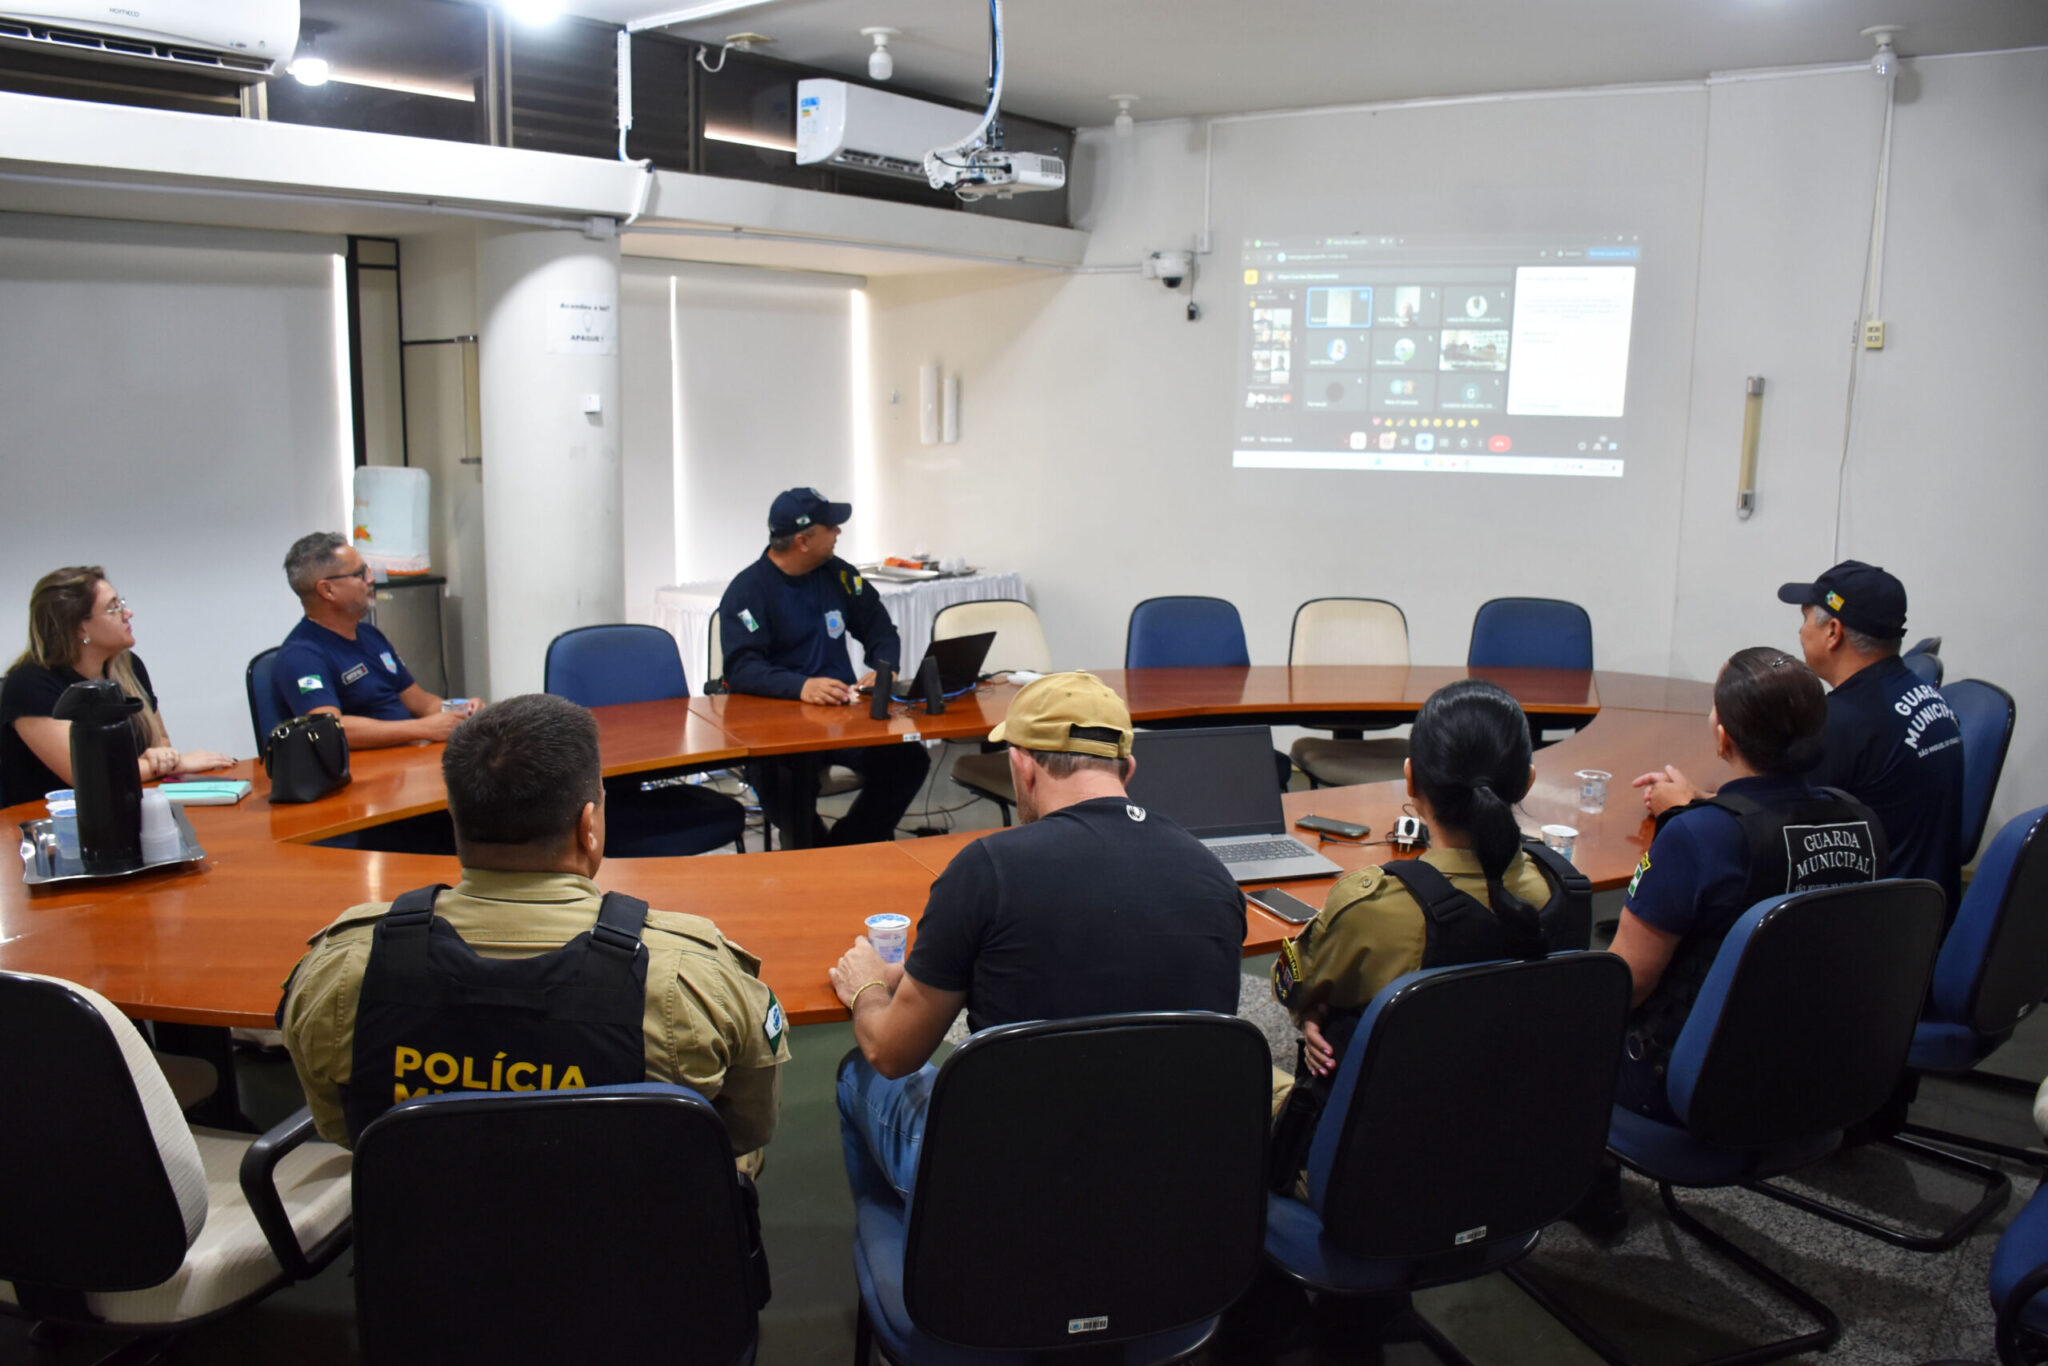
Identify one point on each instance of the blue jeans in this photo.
(881, 1126)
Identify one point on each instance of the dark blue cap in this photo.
(1861, 596)
(801, 509)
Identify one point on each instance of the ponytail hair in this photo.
(1469, 754)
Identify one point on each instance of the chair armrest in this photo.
(259, 1188)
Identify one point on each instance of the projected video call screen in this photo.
(1450, 355)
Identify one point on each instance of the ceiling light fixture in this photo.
(306, 68)
(881, 66)
(1124, 122)
(1885, 62)
(534, 13)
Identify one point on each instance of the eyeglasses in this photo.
(118, 607)
(362, 572)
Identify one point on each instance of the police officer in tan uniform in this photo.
(525, 976)
(1477, 895)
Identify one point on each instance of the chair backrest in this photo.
(1804, 1020)
(1179, 633)
(1985, 713)
(1020, 640)
(1993, 967)
(601, 666)
(1109, 1166)
(100, 1179)
(1531, 633)
(714, 653)
(260, 682)
(1925, 664)
(598, 1225)
(1450, 1113)
(1348, 631)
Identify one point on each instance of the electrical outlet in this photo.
(1873, 335)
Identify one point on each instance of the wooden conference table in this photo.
(211, 942)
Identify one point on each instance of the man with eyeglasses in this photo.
(335, 662)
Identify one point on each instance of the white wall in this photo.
(1094, 456)
(173, 413)
(1095, 451)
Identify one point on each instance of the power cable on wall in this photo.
(1870, 305)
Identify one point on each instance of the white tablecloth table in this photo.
(684, 610)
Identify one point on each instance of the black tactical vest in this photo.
(435, 1015)
(1826, 840)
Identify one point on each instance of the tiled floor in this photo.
(1654, 1290)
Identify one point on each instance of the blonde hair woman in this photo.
(78, 628)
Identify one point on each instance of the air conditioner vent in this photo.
(239, 40)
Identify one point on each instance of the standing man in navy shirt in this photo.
(335, 662)
(783, 624)
(1891, 741)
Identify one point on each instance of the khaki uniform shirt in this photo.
(711, 1024)
(1371, 931)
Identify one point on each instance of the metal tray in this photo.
(42, 862)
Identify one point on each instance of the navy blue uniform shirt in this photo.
(362, 677)
(778, 630)
(1700, 861)
(1892, 743)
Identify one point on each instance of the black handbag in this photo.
(306, 758)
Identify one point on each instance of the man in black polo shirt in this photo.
(1891, 741)
(783, 625)
(1092, 906)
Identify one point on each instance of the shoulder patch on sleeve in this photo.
(311, 683)
(773, 1024)
(1286, 972)
(747, 620)
(1636, 881)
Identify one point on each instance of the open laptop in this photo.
(960, 659)
(1220, 784)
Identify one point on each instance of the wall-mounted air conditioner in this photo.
(236, 40)
(865, 129)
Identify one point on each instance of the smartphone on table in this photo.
(1330, 825)
(1292, 909)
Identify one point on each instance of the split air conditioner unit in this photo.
(236, 40)
(864, 129)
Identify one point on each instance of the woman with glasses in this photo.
(78, 628)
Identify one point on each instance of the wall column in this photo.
(547, 302)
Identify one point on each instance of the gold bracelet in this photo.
(854, 1004)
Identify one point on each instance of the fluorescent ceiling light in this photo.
(708, 10)
(464, 93)
(534, 12)
(746, 137)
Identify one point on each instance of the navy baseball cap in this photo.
(1862, 596)
(800, 509)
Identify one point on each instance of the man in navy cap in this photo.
(783, 624)
(1891, 741)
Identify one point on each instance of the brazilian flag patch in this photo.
(1637, 880)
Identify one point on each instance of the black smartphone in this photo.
(1326, 825)
(1292, 909)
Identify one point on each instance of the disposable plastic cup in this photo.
(1562, 838)
(1593, 790)
(161, 842)
(64, 821)
(890, 934)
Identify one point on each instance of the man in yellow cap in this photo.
(1092, 906)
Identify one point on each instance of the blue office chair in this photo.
(605, 1224)
(1985, 713)
(1094, 1183)
(1800, 1030)
(1992, 971)
(1924, 659)
(1454, 1132)
(1181, 633)
(1531, 633)
(2019, 1276)
(647, 815)
(260, 682)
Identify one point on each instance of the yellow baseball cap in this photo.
(1074, 713)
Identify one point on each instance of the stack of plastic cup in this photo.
(161, 840)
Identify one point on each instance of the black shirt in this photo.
(32, 690)
(778, 630)
(1893, 744)
(1101, 907)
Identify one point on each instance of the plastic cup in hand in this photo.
(1593, 790)
(1561, 838)
(890, 934)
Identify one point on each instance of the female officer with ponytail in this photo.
(1474, 897)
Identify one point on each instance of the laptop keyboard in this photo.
(1263, 851)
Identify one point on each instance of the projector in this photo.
(1002, 174)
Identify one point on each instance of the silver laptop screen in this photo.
(1215, 782)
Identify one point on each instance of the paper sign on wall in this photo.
(583, 325)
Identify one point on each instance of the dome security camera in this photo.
(1170, 267)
